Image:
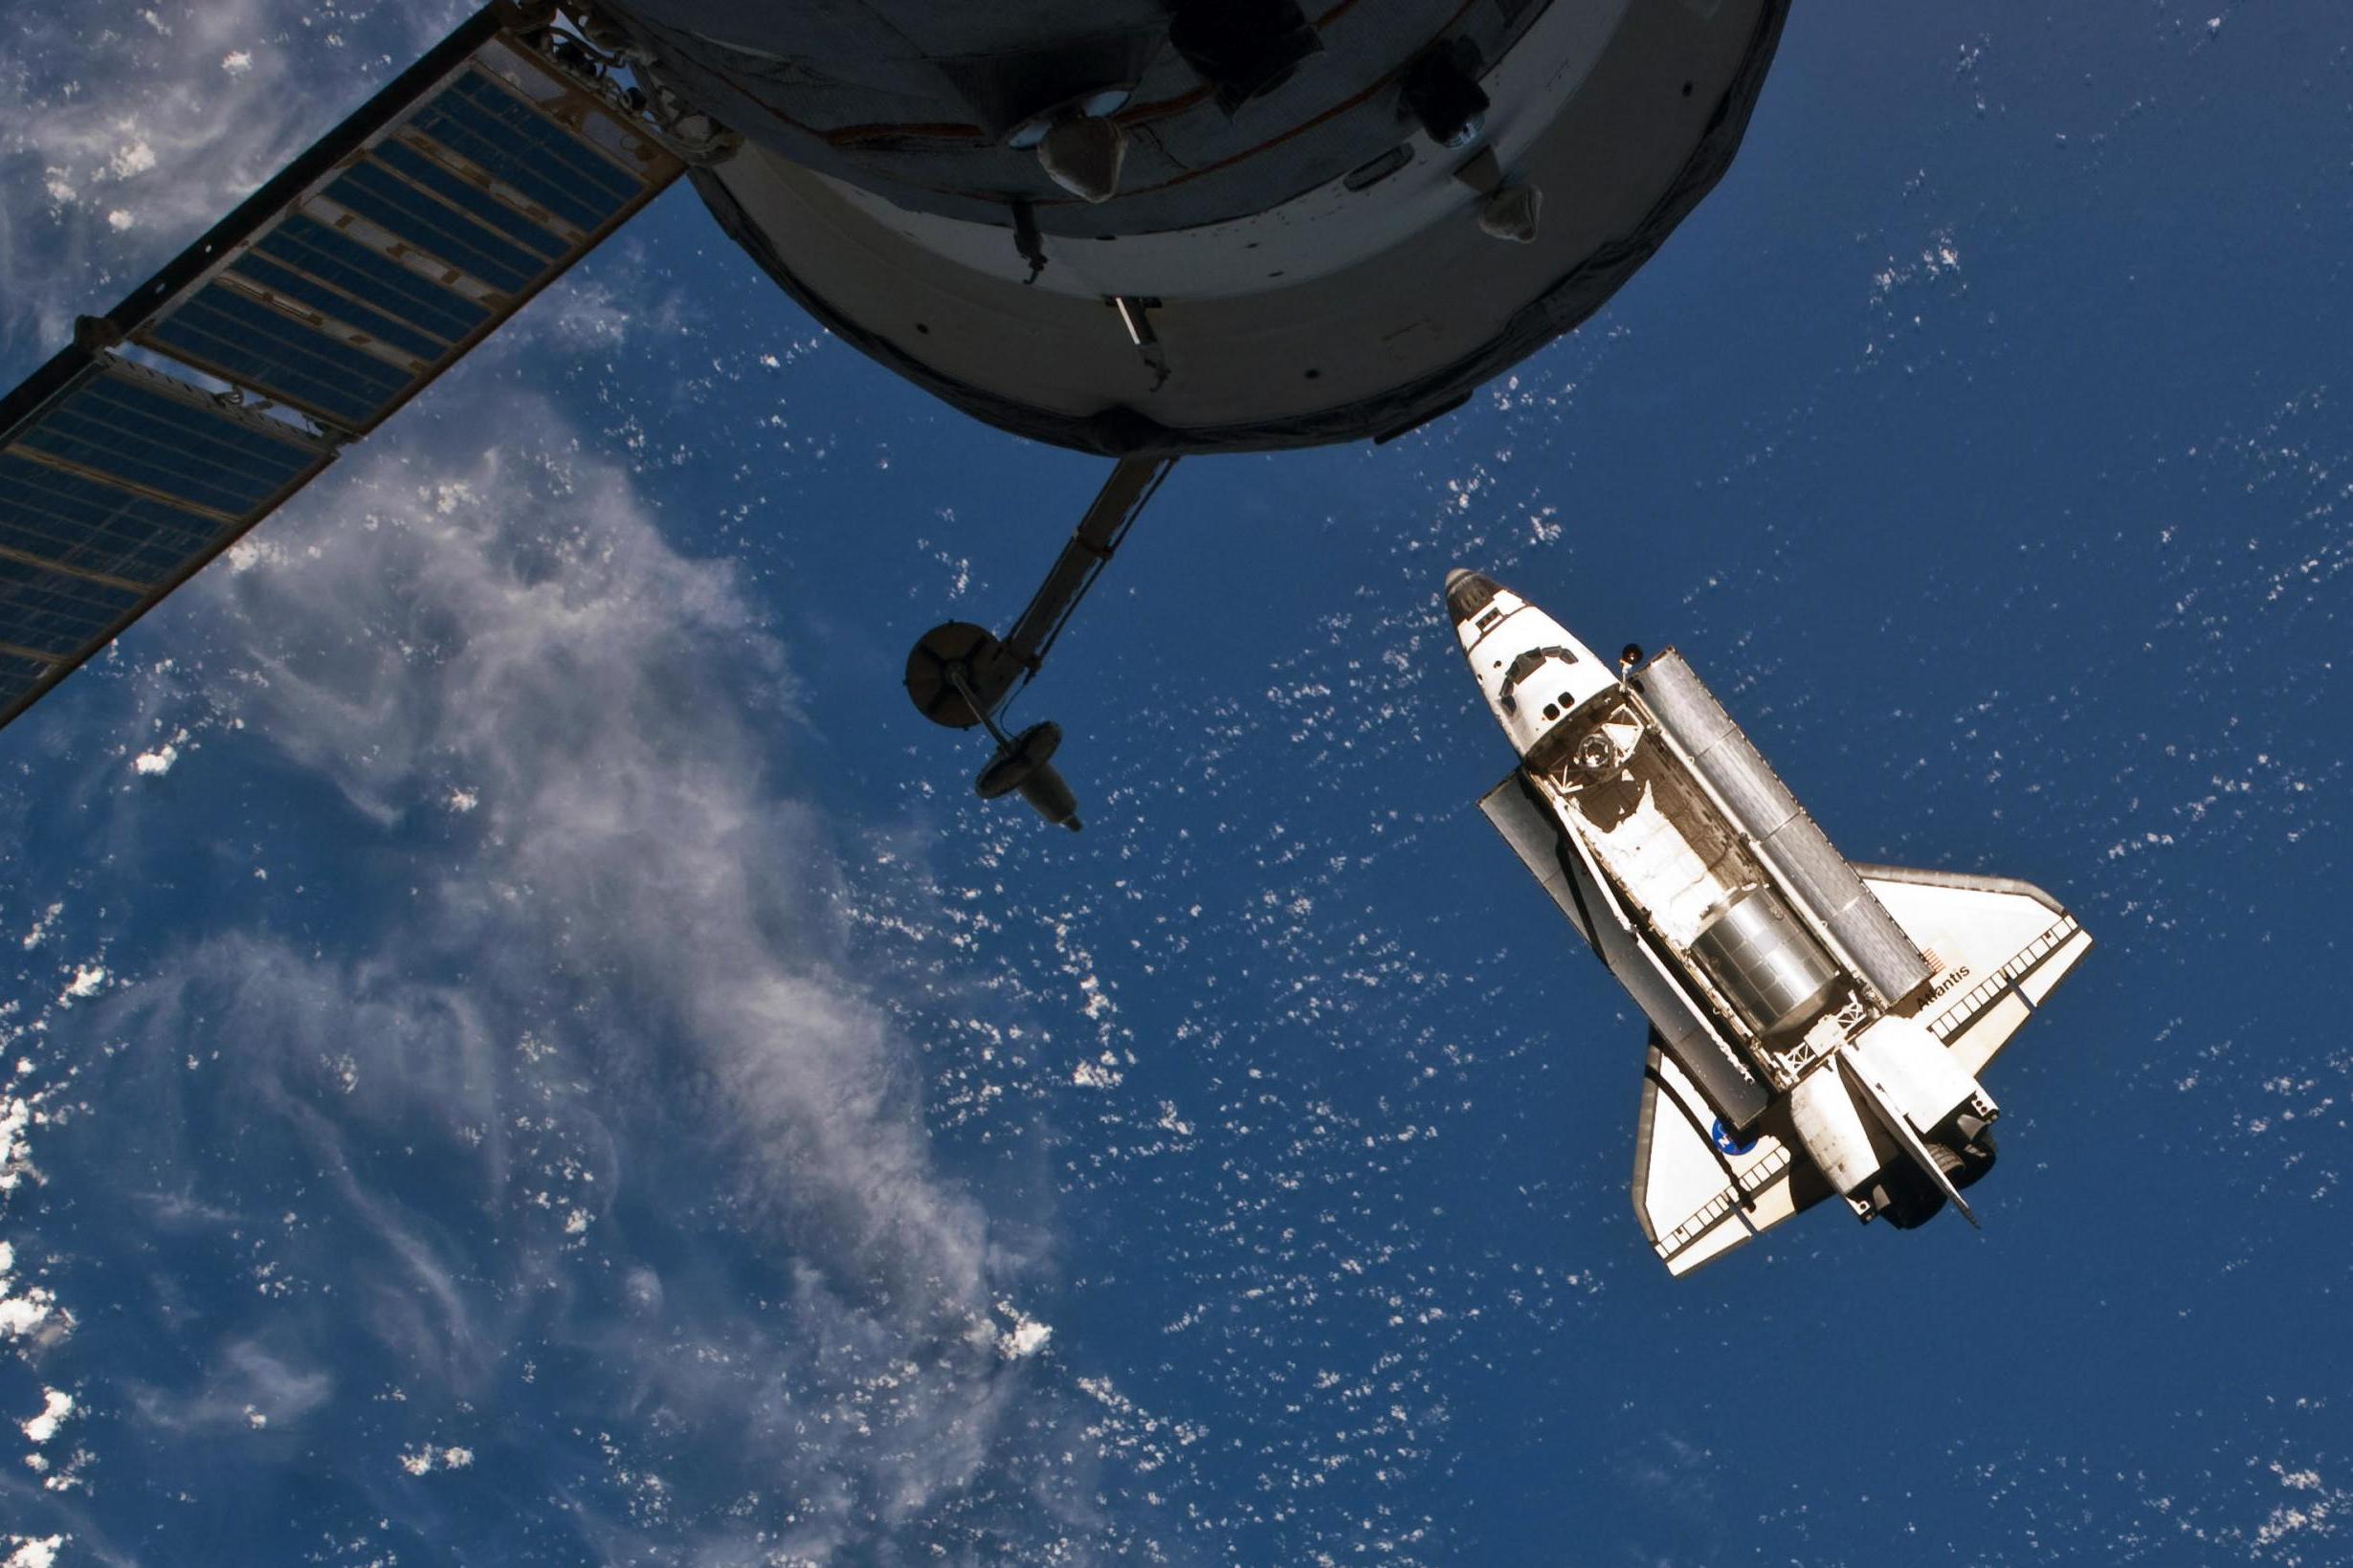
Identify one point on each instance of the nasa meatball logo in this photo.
(1727, 1140)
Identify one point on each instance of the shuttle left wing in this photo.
(2000, 947)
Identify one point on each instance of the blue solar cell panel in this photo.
(336, 259)
(50, 612)
(475, 203)
(375, 194)
(223, 330)
(17, 677)
(117, 480)
(290, 284)
(95, 527)
(482, 121)
(116, 427)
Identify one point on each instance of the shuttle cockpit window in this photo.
(1531, 661)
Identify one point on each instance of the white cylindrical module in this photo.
(1762, 959)
(1830, 1127)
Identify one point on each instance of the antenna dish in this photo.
(1083, 155)
(960, 676)
(954, 659)
(1025, 763)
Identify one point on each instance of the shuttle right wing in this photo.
(2000, 947)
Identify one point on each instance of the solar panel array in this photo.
(340, 292)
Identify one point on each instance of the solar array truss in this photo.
(327, 300)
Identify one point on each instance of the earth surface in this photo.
(521, 1048)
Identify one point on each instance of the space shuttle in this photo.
(1817, 1029)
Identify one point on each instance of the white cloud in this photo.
(577, 731)
(585, 316)
(144, 136)
(33, 1552)
(57, 1405)
(1026, 1337)
(133, 157)
(619, 719)
(42, 927)
(25, 1308)
(586, 690)
(249, 1383)
(21, 1314)
(15, 1115)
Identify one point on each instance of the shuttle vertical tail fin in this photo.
(1875, 1099)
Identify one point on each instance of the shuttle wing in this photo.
(2000, 947)
(1536, 839)
(1699, 1192)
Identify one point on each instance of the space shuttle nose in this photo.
(1467, 593)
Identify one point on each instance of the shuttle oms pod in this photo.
(1817, 1028)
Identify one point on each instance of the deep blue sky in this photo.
(643, 1068)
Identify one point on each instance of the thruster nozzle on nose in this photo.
(1467, 593)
